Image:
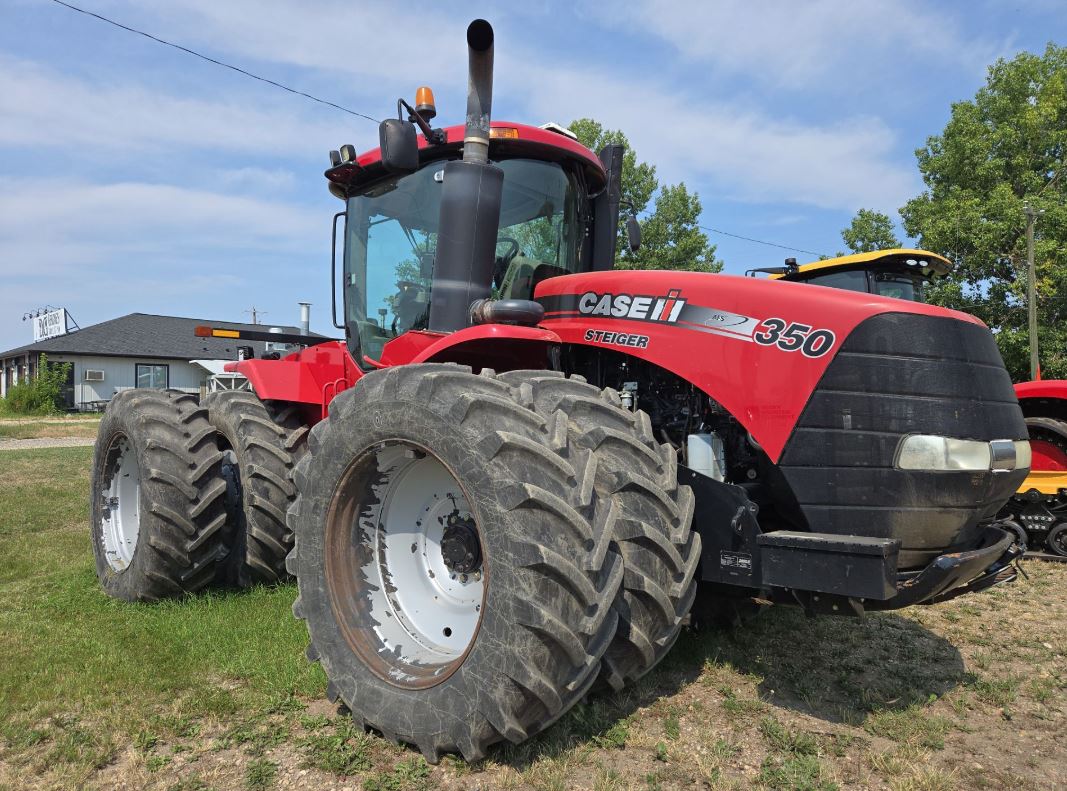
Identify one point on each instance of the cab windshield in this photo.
(391, 241)
(899, 285)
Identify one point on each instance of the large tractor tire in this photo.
(455, 563)
(157, 499)
(653, 526)
(261, 444)
(1048, 442)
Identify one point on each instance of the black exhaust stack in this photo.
(470, 201)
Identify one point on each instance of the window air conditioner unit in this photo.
(94, 376)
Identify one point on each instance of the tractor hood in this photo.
(758, 348)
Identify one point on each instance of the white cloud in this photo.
(795, 44)
(746, 155)
(106, 249)
(51, 227)
(44, 107)
(399, 43)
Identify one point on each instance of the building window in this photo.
(152, 375)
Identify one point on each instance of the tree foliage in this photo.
(670, 236)
(1000, 152)
(869, 231)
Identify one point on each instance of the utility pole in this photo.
(256, 314)
(1031, 287)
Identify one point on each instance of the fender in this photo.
(759, 349)
(1042, 388)
(311, 376)
(502, 347)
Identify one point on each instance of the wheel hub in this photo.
(408, 551)
(460, 548)
(120, 513)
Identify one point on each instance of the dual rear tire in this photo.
(185, 494)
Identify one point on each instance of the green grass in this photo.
(67, 645)
(214, 691)
(32, 428)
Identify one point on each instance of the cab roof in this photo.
(931, 263)
(507, 140)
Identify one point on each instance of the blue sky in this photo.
(136, 178)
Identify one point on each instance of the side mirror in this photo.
(400, 146)
(633, 233)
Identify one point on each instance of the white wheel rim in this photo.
(120, 520)
(409, 614)
(429, 614)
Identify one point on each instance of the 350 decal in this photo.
(792, 336)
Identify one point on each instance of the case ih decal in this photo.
(674, 309)
(629, 306)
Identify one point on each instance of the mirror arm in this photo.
(434, 137)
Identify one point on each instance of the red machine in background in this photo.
(1038, 511)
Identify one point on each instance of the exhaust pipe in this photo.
(479, 91)
(305, 317)
(470, 201)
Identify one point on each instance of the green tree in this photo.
(671, 238)
(1000, 152)
(869, 231)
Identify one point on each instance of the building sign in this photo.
(50, 325)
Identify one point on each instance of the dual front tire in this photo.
(474, 553)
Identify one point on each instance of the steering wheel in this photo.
(501, 262)
(513, 248)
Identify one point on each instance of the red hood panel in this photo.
(757, 347)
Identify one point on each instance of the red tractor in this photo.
(1038, 511)
(525, 469)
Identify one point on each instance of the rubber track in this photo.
(560, 632)
(653, 530)
(182, 531)
(267, 439)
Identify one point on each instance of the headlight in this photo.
(929, 452)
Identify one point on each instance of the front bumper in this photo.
(849, 574)
(956, 573)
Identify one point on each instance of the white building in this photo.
(138, 350)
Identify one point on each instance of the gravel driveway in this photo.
(46, 442)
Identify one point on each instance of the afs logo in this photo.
(665, 309)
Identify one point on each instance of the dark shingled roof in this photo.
(145, 335)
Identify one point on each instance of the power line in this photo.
(760, 241)
(296, 92)
(212, 60)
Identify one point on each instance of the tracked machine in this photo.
(521, 471)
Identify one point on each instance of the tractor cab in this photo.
(548, 202)
(898, 273)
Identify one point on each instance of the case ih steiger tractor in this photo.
(1037, 512)
(524, 469)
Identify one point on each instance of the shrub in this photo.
(41, 395)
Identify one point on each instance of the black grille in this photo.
(900, 374)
